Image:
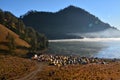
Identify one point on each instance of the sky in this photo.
(106, 10)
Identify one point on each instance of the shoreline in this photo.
(109, 69)
(62, 60)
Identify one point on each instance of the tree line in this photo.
(37, 40)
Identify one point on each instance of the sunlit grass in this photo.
(14, 67)
(109, 71)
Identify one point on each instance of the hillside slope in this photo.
(67, 22)
(4, 42)
(4, 32)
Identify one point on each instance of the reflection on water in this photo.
(112, 51)
(103, 49)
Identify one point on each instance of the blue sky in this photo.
(106, 10)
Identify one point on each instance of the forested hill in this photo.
(16, 38)
(70, 22)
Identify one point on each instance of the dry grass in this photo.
(109, 71)
(4, 32)
(14, 67)
(18, 42)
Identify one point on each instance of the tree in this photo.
(20, 26)
(1, 17)
(35, 39)
(42, 41)
(11, 43)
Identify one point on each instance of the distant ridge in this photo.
(68, 23)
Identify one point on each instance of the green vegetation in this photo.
(17, 41)
(36, 40)
(11, 43)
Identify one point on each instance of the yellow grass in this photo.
(18, 42)
(14, 67)
(4, 32)
(109, 71)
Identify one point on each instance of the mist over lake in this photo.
(89, 47)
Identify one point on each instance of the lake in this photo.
(89, 47)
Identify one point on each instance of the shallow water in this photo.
(96, 47)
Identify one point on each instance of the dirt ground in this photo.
(110, 71)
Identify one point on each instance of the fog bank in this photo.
(86, 39)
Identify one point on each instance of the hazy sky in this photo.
(106, 10)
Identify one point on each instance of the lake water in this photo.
(94, 47)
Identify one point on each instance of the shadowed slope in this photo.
(67, 21)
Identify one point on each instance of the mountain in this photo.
(16, 38)
(70, 22)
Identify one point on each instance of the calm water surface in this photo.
(103, 48)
